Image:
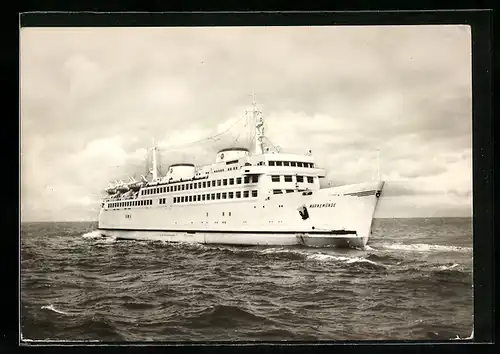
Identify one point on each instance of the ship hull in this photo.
(330, 217)
(241, 238)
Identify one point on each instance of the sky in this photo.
(93, 99)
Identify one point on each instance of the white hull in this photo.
(338, 216)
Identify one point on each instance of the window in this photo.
(288, 179)
(275, 178)
(199, 185)
(238, 180)
(175, 200)
(300, 178)
(219, 183)
(224, 195)
(218, 195)
(204, 184)
(293, 164)
(246, 179)
(222, 213)
(310, 179)
(190, 198)
(213, 196)
(230, 195)
(254, 193)
(225, 182)
(203, 197)
(299, 164)
(311, 165)
(255, 178)
(245, 194)
(289, 190)
(238, 194)
(271, 163)
(182, 187)
(278, 163)
(277, 191)
(286, 163)
(229, 213)
(168, 188)
(231, 181)
(213, 183)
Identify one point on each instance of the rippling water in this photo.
(414, 281)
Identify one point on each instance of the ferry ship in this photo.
(259, 197)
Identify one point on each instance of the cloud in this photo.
(92, 100)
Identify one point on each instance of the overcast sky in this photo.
(92, 100)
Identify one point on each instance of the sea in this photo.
(412, 282)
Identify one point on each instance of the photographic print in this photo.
(267, 183)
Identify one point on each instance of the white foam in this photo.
(347, 260)
(92, 234)
(448, 267)
(52, 308)
(423, 247)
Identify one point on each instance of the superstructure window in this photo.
(230, 195)
(231, 181)
(224, 195)
(238, 180)
(219, 183)
(271, 163)
(254, 193)
(277, 191)
(288, 179)
(279, 163)
(246, 179)
(218, 195)
(199, 184)
(213, 196)
(203, 197)
(293, 163)
(182, 187)
(310, 179)
(289, 190)
(245, 194)
(286, 163)
(204, 184)
(275, 178)
(299, 164)
(190, 198)
(300, 178)
(238, 194)
(225, 181)
(213, 183)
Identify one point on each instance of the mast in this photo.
(378, 164)
(259, 127)
(154, 170)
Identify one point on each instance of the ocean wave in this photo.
(225, 316)
(52, 308)
(423, 247)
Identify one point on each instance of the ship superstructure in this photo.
(260, 197)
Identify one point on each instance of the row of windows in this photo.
(129, 203)
(199, 185)
(291, 164)
(290, 179)
(280, 191)
(215, 196)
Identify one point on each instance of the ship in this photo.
(254, 195)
